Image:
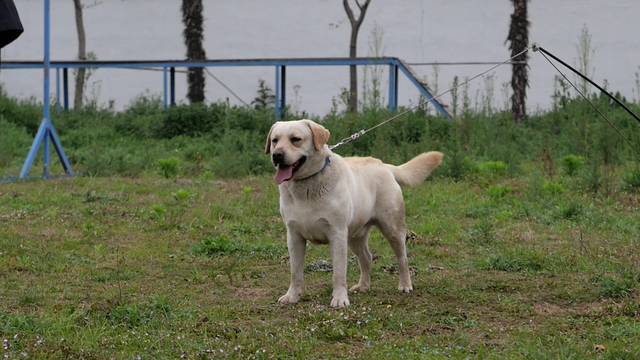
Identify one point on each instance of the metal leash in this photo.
(544, 53)
(362, 132)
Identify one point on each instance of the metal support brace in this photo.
(45, 133)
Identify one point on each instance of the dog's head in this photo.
(297, 148)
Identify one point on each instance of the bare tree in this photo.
(519, 40)
(355, 27)
(193, 37)
(82, 55)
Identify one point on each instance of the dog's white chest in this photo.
(316, 231)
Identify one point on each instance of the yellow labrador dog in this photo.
(327, 199)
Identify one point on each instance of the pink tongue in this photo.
(284, 173)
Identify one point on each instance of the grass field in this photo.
(151, 268)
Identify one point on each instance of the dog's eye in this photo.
(295, 139)
(275, 141)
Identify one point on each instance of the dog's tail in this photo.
(417, 169)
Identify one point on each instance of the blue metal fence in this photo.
(169, 66)
(47, 132)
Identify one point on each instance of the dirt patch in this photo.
(547, 309)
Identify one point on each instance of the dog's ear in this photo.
(267, 148)
(320, 134)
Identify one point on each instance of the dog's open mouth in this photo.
(286, 172)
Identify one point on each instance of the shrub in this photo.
(191, 120)
(498, 168)
(497, 192)
(553, 188)
(571, 164)
(571, 211)
(169, 167)
(632, 178)
(14, 142)
(227, 140)
(23, 113)
(455, 165)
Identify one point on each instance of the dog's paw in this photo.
(405, 288)
(358, 287)
(340, 302)
(289, 299)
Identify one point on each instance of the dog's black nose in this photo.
(278, 157)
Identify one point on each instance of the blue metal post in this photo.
(58, 90)
(46, 131)
(173, 86)
(165, 87)
(393, 87)
(277, 91)
(283, 86)
(65, 79)
(47, 60)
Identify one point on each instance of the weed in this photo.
(24, 262)
(266, 99)
(455, 165)
(497, 192)
(571, 211)
(553, 188)
(182, 195)
(632, 178)
(571, 164)
(220, 245)
(29, 297)
(169, 167)
(158, 212)
(515, 260)
(497, 168)
(615, 287)
(130, 315)
(482, 233)
(476, 212)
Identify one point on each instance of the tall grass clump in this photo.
(571, 164)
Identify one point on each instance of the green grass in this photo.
(524, 241)
(156, 268)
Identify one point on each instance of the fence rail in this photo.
(168, 68)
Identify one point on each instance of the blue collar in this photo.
(326, 162)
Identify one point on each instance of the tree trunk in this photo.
(82, 55)
(193, 37)
(519, 40)
(353, 73)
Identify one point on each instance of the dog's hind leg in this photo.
(358, 244)
(394, 229)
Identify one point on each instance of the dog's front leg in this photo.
(297, 247)
(339, 248)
